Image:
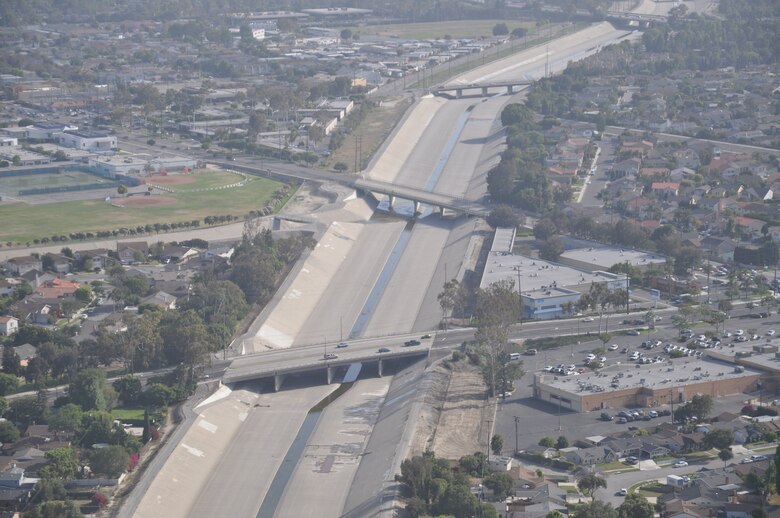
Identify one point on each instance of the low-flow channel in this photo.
(294, 453)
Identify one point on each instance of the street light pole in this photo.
(517, 449)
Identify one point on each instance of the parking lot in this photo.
(532, 419)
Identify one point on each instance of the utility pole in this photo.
(517, 449)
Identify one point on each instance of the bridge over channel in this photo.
(419, 197)
(482, 88)
(278, 364)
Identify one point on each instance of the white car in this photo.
(623, 492)
(587, 319)
(680, 464)
(590, 357)
(603, 359)
(613, 347)
(771, 332)
(739, 332)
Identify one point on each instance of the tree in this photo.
(340, 167)
(3, 406)
(503, 216)
(453, 298)
(562, 442)
(720, 439)
(26, 410)
(62, 464)
(699, 407)
(346, 34)
(128, 388)
(11, 364)
(636, 506)
(500, 483)
(159, 395)
(122, 189)
(777, 469)
(54, 509)
(589, 483)
(552, 249)
(500, 29)
(497, 444)
(8, 382)
(185, 337)
(725, 455)
(517, 114)
(111, 461)
(67, 419)
(88, 390)
(84, 294)
(8, 432)
(458, 501)
(545, 229)
(596, 509)
(547, 442)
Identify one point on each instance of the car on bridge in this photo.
(330, 356)
(342, 345)
(410, 343)
(383, 350)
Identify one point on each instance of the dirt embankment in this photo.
(452, 420)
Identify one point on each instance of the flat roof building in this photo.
(646, 385)
(547, 288)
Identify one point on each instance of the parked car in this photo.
(623, 492)
(613, 347)
(631, 460)
(383, 350)
(680, 464)
(606, 417)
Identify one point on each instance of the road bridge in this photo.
(280, 363)
(419, 197)
(483, 88)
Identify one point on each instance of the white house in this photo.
(89, 140)
(8, 326)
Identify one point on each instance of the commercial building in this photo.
(87, 140)
(549, 290)
(648, 385)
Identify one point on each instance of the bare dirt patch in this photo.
(461, 429)
(170, 179)
(146, 201)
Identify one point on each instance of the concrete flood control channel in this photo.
(293, 455)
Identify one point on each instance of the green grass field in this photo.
(22, 223)
(423, 31)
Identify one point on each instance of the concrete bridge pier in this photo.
(391, 201)
(484, 91)
(417, 207)
(510, 89)
(379, 368)
(329, 375)
(278, 379)
(459, 93)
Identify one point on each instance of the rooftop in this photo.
(605, 257)
(670, 373)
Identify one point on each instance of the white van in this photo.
(514, 356)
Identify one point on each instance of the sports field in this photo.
(11, 185)
(22, 223)
(433, 30)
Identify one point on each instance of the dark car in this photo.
(410, 343)
(383, 350)
(425, 337)
(632, 460)
(606, 417)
